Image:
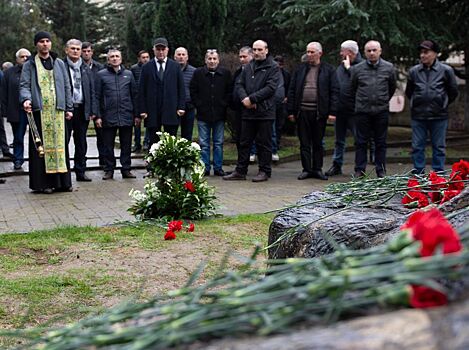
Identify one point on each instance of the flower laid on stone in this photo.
(177, 187)
(262, 300)
(436, 188)
(434, 232)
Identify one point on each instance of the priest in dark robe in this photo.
(45, 91)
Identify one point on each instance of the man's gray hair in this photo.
(74, 42)
(18, 53)
(246, 48)
(182, 48)
(376, 42)
(6, 65)
(316, 44)
(351, 45)
(114, 50)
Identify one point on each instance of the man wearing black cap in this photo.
(45, 91)
(162, 97)
(431, 87)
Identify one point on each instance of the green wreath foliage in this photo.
(177, 187)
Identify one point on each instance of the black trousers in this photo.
(280, 118)
(125, 138)
(259, 131)
(311, 130)
(3, 138)
(100, 145)
(371, 126)
(154, 138)
(79, 125)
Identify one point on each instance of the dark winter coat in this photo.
(328, 90)
(373, 86)
(259, 82)
(29, 86)
(160, 100)
(87, 88)
(430, 91)
(346, 98)
(116, 93)
(11, 94)
(211, 93)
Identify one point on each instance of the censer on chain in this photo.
(35, 134)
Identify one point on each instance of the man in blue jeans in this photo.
(11, 109)
(431, 87)
(345, 119)
(210, 90)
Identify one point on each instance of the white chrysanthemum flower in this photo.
(155, 147)
(195, 145)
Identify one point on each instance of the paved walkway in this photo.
(99, 202)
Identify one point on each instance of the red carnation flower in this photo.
(189, 186)
(175, 225)
(432, 229)
(424, 297)
(191, 227)
(435, 196)
(170, 235)
(462, 168)
(437, 182)
(413, 183)
(414, 199)
(448, 194)
(456, 182)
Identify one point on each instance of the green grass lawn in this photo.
(61, 275)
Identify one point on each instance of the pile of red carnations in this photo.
(176, 226)
(436, 188)
(435, 235)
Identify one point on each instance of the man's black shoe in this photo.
(234, 176)
(8, 154)
(260, 177)
(2, 181)
(219, 172)
(18, 167)
(318, 174)
(304, 175)
(136, 149)
(108, 175)
(380, 174)
(358, 174)
(334, 170)
(83, 178)
(128, 175)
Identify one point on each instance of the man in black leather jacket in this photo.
(256, 88)
(431, 87)
(373, 84)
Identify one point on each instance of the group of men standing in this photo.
(63, 96)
